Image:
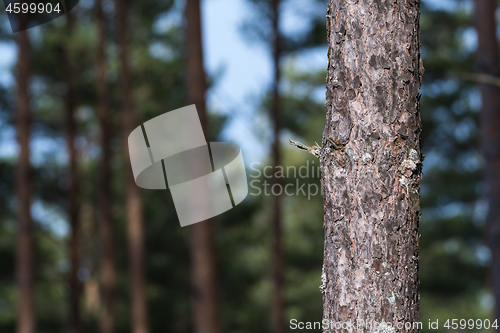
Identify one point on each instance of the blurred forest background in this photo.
(67, 99)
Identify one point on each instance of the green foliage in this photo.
(453, 257)
(258, 28)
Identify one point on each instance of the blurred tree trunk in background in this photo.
(371, 185)
(277, 314)
(487, 62)
(203, 264)
(25, 249)
(73, 208)
(135, 228)
(108, 271)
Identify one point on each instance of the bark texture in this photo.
(371, 186)
(487, 62)
(73, 186)
(203, 263)
(277, 314)
(135, 228)
(24, 250)
(105, 213)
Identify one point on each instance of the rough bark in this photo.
(277, 314)
(108, 270)
(371, 164)
(73, 186)
(203, 263)
(487, 63)
(24, 250)
(135, 228)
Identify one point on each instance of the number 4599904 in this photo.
(33, 8)
(470, 324)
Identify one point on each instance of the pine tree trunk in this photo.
(135, 228)
(277, 313)
(108, 270)
(487, 62)
(73, 208)
(371, 186)
(24, 250)
(203, 271)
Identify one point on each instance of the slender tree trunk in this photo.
(105, 214)
(73, 209)
(487, 63)
(371, 164)
(135, 228)
(277, 313)
(203, 271)
(24, 251)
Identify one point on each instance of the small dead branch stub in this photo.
(313, 150)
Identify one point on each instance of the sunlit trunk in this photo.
(135, 228)
(203, 272)
(73, 186)
(24, 250)
(277, 313)
(108, 271)
(487, 62)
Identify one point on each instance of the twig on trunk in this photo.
(314, 150)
